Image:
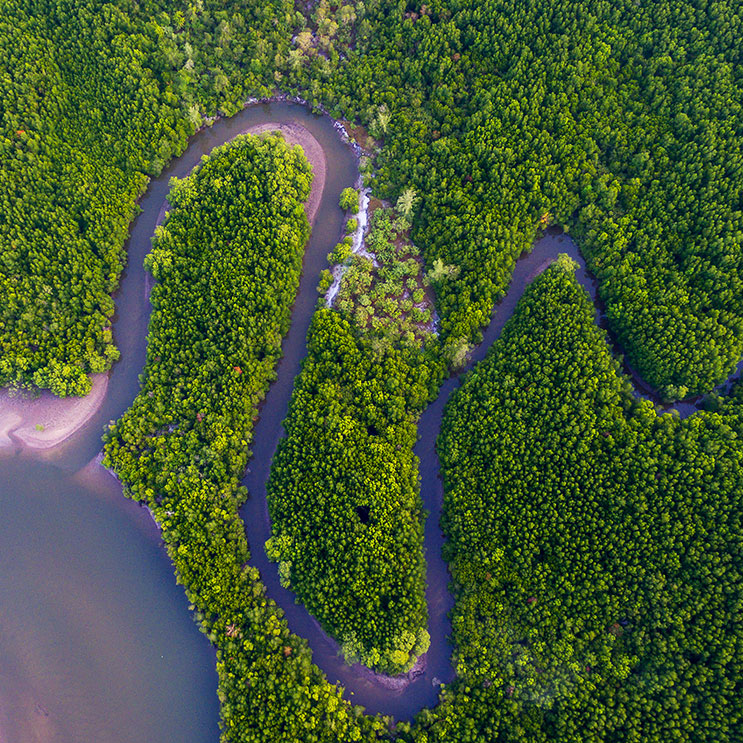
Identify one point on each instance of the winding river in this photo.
(95, 640)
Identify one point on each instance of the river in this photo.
(96, 643)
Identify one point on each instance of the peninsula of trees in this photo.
(594, 544)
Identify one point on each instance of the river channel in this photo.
(96, 643)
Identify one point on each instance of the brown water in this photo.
(96, 643)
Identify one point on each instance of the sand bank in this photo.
(43, 421)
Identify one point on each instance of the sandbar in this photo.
(42, 421)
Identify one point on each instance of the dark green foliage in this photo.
(343, 494)
(621, 120)
(618, 119)
(96, 97)
(595, 546)
(228, 263)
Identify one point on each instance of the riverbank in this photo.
(357, 248)
(42, 421)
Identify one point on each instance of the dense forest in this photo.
(344, 499)
(346, 513)
(622, 122)
(618, 120)
(595, 546)
(96, 98)
(227, 262)
(383, 291)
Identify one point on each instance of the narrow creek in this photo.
(73, 545)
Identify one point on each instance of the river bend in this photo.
(23, 474)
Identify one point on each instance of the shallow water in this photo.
(96, 643)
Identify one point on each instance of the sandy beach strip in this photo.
(9, 421)
(44, 421)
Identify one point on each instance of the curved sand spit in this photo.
(43, 421)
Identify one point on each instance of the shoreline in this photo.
(40, 422)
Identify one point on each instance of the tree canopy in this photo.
(594, 544)
(620, 121)
(343, 495)
(97, 97)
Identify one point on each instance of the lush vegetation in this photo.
(97, 96)
(349, 200)
(383, 291)
(595, 546)
(343, 495)
(227, 263)
(622, 121)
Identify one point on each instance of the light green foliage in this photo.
(456, 352)
(234, 243)
(405, 204)
(380, 121)
(333, 27)
(341, 253)
(326, 280)
(441, 272)
(349, 200)
(387, 291)
(594, 545)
